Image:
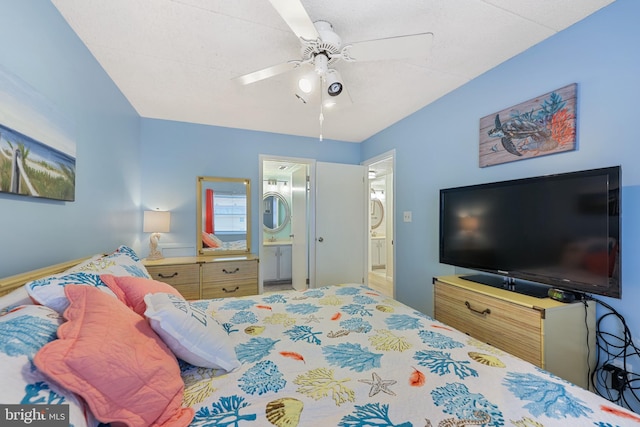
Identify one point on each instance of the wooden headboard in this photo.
(7, 284)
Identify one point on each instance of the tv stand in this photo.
(530, 289)
(552, 335)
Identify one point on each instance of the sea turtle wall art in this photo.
(543, 125)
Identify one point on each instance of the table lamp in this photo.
(156, 222)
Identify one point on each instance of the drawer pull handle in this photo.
(168, 276)
(228, 291)
(231, 272)
(482, 313)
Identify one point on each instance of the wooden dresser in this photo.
(207, 277)
(555, 336)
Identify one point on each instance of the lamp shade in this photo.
(156, 222)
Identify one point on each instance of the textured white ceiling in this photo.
(176, 59)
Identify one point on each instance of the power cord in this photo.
(612, 377)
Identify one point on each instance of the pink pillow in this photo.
(209, 241)
(111, 357)
(135, 288)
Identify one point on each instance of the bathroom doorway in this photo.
(380, 191)
(284, 242)
(301, 244)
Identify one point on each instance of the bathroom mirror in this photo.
(377, 213)
(276, 212)
(223, 215)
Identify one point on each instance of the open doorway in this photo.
(284, 247)
(380, 191)
(304, 243)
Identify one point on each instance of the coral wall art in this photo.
(543, 125)
(37, 151)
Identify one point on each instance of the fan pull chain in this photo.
(321, 118)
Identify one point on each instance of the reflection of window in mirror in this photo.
(224, 219)
(228, 213)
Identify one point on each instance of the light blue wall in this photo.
(174, 154)
(437, 147)
(38, 46)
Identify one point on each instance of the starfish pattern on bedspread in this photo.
(379, 385)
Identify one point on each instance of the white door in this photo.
(341, 222)
(299, 251)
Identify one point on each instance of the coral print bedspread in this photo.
(346, 356)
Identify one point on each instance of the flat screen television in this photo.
(556, 231)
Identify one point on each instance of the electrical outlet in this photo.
(407, 216)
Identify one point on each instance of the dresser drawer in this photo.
(237, 289)
(510, 327)
(184, 277)
(223, 279)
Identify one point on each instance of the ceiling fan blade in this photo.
(296, 18)
(265, 73)
(401, 47)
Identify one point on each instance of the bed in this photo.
(119, 347)
(211, 242)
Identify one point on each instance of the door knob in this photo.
(320, 239)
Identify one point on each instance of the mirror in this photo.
(276, 212)
(377, 213)
(223, 215)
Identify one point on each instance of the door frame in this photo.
(310, 214)
(367, 163)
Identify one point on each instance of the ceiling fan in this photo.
(321, 48)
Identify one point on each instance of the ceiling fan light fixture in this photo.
(334, 89)
(334, 83)
(305, 84)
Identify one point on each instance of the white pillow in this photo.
(193, 335)
(49, 290)
(84, 264)
(121, 262)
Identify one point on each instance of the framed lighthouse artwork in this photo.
(538, 127)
